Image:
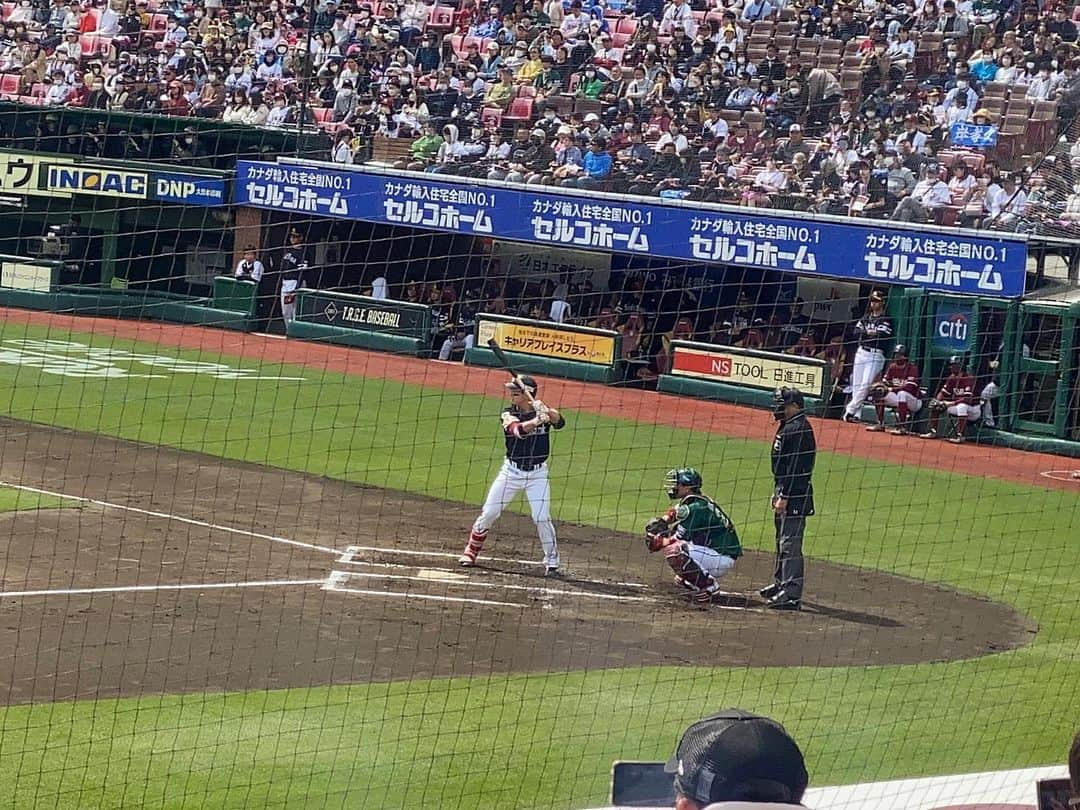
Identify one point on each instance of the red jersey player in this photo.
(901, 381)
(956, 397)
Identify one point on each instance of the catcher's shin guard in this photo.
(472, 548)
(687, 572)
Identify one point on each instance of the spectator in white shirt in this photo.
(757, 10)
(380, 288)
(929, 195)
(1041, 86)
(1006, 206)
(677, 15)
(59, 90)
(673, 135)
(250, 268)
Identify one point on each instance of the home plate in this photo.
(440, 576)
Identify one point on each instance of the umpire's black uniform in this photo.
(794, 451)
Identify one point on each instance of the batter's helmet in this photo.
(684, 476)
(527, 381)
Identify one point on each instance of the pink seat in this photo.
(9, 85)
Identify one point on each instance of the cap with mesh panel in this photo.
(737, 755)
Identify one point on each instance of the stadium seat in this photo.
(626, 25)
(457, 43)
(93, 44)
(491, 118)
(6, 9)
(620, 40)
(520, 112)
(9, 85)
(159, 24)
(440, 19)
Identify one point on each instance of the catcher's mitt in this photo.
(937, 405)
(656, 534)
(878, 392)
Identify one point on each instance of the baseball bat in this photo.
(504, 361)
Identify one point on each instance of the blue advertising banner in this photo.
(978, 136)
(868, 251)
(189, 189)
(952, 327)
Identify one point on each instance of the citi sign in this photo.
(81, 180)
(953, 327)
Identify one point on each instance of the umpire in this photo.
(793, 453)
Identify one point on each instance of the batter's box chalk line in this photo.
(454, 579)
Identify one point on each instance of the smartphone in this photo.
(641, 784)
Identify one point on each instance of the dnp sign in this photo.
(103, 182)
(952, 327)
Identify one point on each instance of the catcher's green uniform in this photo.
(703, 523)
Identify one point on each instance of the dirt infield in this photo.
(195, 574)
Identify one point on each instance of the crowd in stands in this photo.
(795, 104)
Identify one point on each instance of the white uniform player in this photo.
(293, 264)
(875, 332)
(526, 427)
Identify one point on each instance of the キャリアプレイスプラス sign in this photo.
(865, 251)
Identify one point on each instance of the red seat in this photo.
(322, 114)
(159, 23)
(619, 40)
(521, 111)
(491, 118)
(6, 9)
(626, 25)
(94, 44)
(9, 85)
(457, 43)
(526, 91)
(441, 18)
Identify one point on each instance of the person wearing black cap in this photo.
(736, 758)
(526, 426)
(294, 261)
(794, 451)
(875, 332)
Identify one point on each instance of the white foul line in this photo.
(205, 586)
(169, 516)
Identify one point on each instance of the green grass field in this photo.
(548, 741)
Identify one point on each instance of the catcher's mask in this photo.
(782, 397)
(684, 476)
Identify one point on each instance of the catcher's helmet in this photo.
(684, 476)
(527, 381)
(900, 350)
(957, 360)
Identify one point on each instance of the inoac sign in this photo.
(952, 327)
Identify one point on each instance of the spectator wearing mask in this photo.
(928, 196)
(736, 756)
(595, 167)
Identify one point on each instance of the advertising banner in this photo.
(59, 176)
(30, 277)
(748, 368)
(543, 339)
(865, 252)
(952, 327)
(364, 314)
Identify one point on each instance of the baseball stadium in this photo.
(451, 405)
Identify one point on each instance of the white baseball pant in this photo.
(868, 365)
(962, 411)
(894, 398)
(288, 309)
(448, 345)
(507, 484)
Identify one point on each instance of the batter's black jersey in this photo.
(293, 264)
(794, 451)
(529, 450)
(875, 332)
